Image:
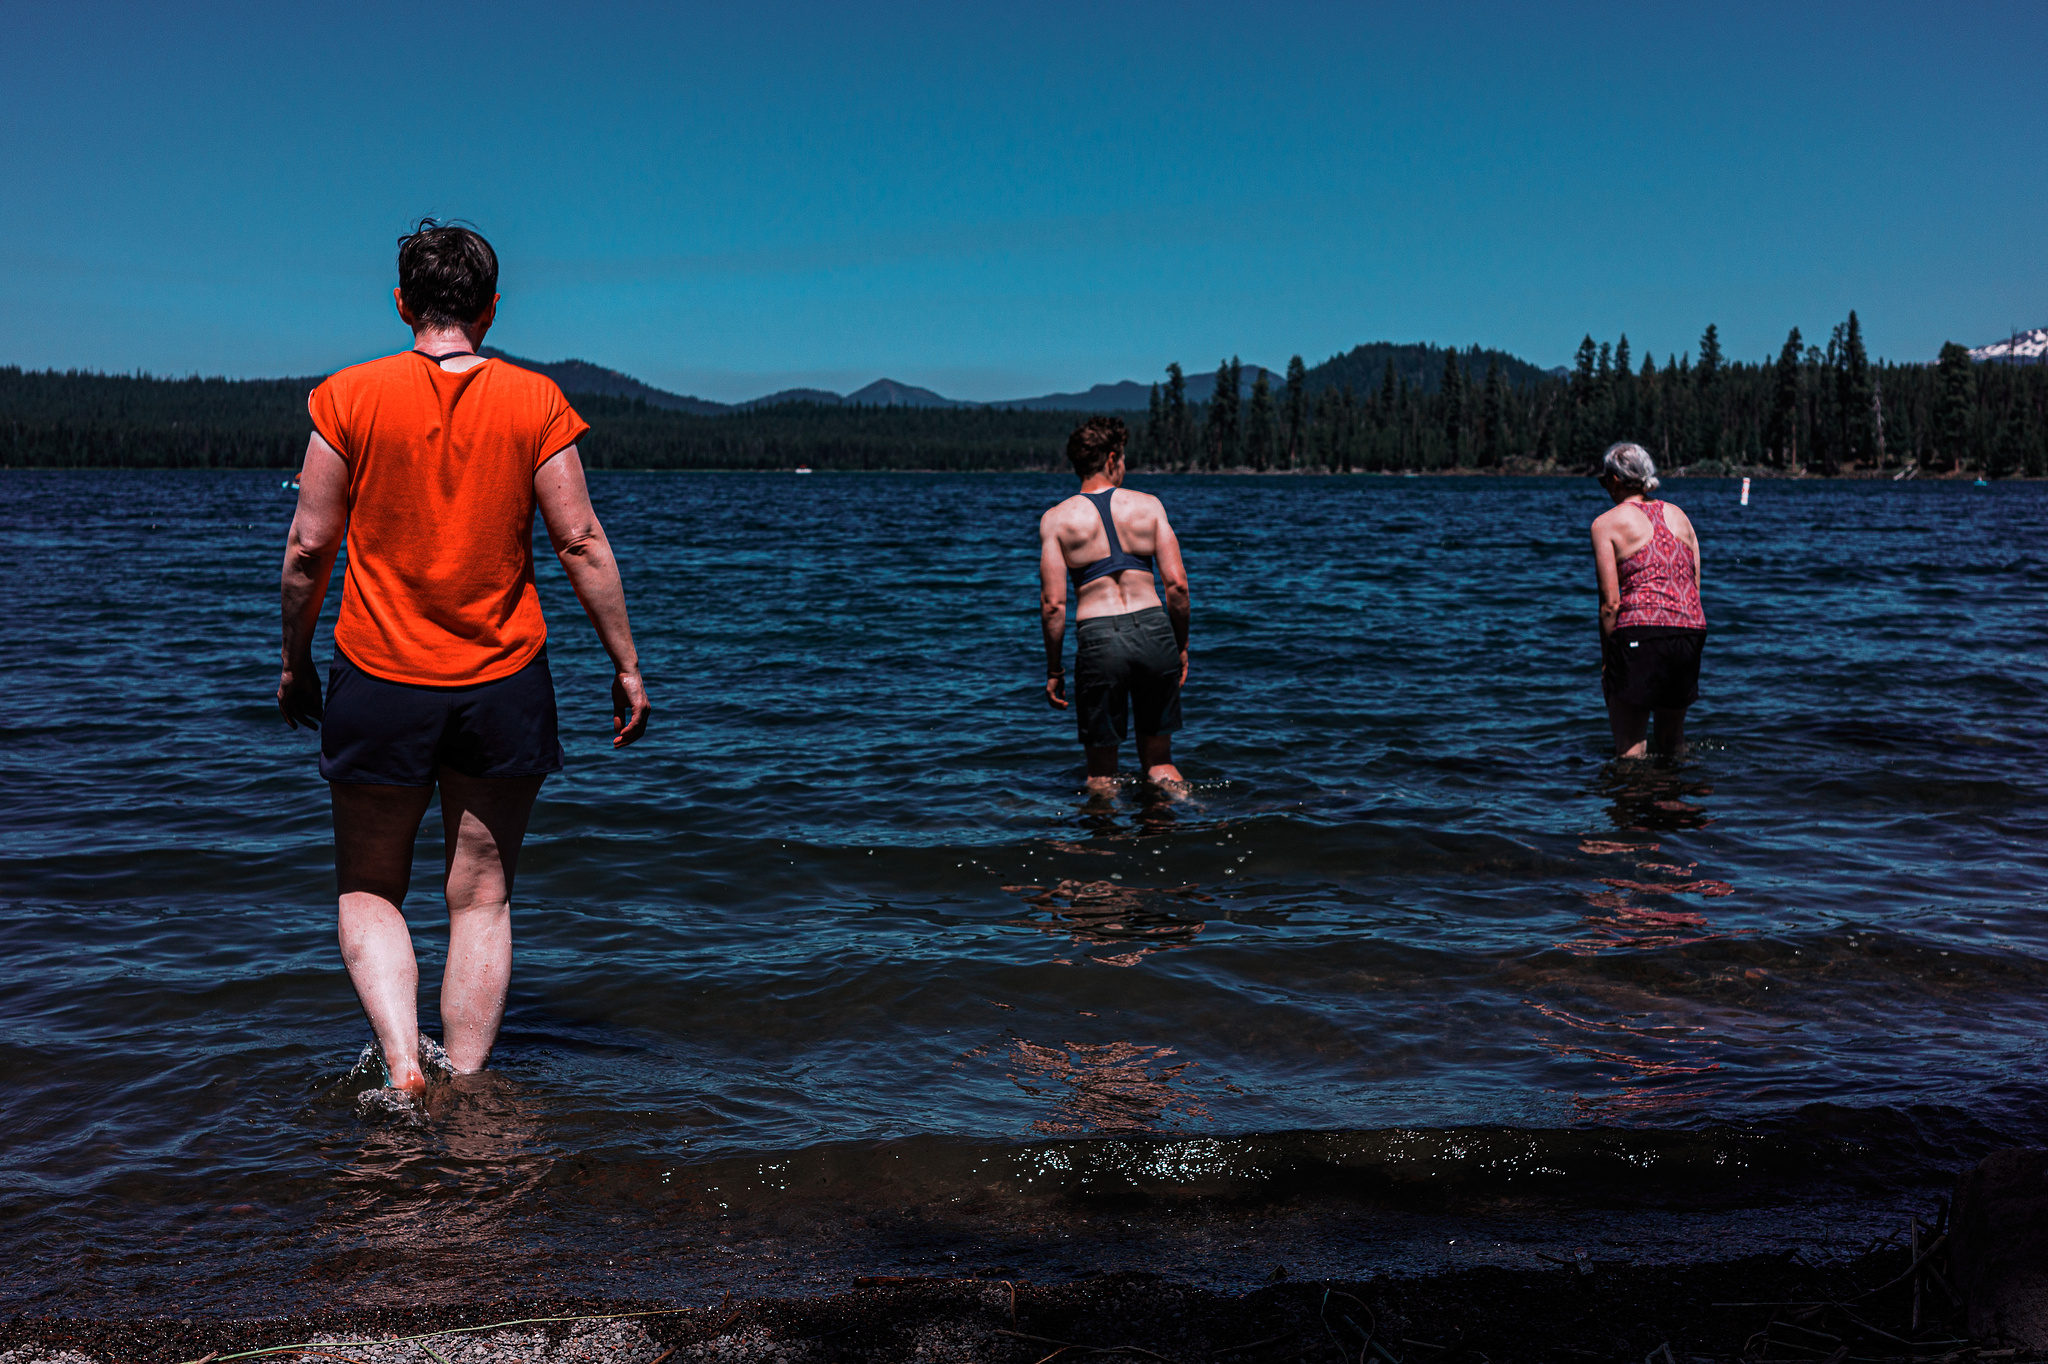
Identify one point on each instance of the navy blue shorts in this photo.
(396, 734)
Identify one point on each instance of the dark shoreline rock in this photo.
(2000, 1246)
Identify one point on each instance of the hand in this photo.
(630, 708)
(1183, 667)
(1056, 690)
(298, 695)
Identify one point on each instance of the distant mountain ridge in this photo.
(580, 376)
(1418, 365)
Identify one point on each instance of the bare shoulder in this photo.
(1144, 504)
(1607, 520)
(1059, 514)
(1681, 523)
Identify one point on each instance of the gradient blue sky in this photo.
(1000, 200)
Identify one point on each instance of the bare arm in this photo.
(1173, 576)
(1685, 533)
(309, 552)
(1052, 609)
(1608, 569)
(579, 542)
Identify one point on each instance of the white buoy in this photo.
(1745, 492)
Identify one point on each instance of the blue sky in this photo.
(1000, 200)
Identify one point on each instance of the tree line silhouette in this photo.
(1382, 407)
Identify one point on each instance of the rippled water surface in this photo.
(838, 971)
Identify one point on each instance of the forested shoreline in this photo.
(1817, 410)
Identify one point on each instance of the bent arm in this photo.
(310, 549)
(1692, 541)
(1173, 574)
(1052, 598)
(1607, 569)
(579, 542)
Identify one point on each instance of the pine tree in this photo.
(1709, 371)
(1453, 392)
(1584, 439)
(1852, 393)
(1179, 450)
(1155, 425)
(1297, 378)
(1223, 404)
(1325, 431)
(1650, 404)
(1493, 438)
(1781, 436)
(1258, 431)
(1709, 424)
(1955, 409)
(1347, 428)
(1624, 390)
(1236, 451)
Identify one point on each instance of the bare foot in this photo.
(409, 1080)
(1167, 778)
(1102, 786)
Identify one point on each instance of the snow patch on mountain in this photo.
(2021, 348)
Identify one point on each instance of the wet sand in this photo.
(1764, 1307)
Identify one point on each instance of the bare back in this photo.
(1626, 531)
(1075, 527)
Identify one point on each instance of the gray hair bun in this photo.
(1630, 465)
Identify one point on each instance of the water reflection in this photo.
(1640, 912)
(1654, 796)
(1108, 1087)
(1636, 1054)
(446, 1174)
(1139, 919)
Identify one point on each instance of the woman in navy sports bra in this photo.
(1131, 651)
(1652, 629)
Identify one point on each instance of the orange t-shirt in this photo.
(439, 590)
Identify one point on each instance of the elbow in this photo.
(584, 542)
(1177, 593)
(309, 554)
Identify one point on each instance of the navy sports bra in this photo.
(1118, 561)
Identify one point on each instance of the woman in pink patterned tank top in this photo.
(1652, 629)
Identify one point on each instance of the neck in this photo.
(442, 340)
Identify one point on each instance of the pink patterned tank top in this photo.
(1659, 583)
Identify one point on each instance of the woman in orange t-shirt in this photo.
(432, 463)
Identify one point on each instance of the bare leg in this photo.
(1631, 729)
(374, 828)
(483, 822)
(1155, 755)
(1102, 769)
(1670, 731)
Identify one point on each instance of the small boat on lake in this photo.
(803, 468)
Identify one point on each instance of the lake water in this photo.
(837, 972)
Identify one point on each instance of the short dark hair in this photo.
(1095, 443)
(447, 274)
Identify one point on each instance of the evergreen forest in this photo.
(1818, 409)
